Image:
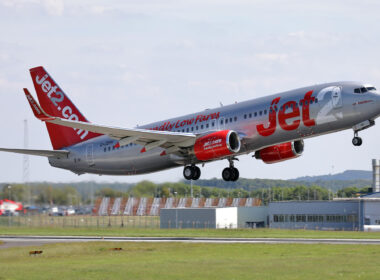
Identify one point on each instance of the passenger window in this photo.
(226, 121)
(187, 129)
(255, 114)
(250, 115)
(212, 124)
(235, 119)
(245, 116)
(260, 113)
(230, 119)
(196, 128)
(202, 126)
(206, 125)
(192, 128)
(265, 112)
(105, 149)
(316, 100)
(221, 121)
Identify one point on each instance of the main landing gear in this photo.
(191, 172)
(356, 141)
(230, 173)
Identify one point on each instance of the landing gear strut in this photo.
(230, 173)
(356, 141)
(191, 172)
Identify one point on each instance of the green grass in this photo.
(167, 261)
(134, 232)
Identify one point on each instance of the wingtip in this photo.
(37, 110)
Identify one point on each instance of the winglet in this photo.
(37, 110)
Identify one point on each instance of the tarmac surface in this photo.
(19, 241)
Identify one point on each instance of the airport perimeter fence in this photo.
(80, 221)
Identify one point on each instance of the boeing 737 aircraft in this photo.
(272, 127)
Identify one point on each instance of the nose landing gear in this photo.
(191, 172)
(230, 173)
(357, 141)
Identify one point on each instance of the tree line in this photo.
(46, 194)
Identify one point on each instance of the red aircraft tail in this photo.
(56, 103)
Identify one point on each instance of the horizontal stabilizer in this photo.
(42, 153)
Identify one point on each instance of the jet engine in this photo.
(280, 152)
(217, 145)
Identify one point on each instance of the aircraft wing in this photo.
(149, 138)
(42, 153)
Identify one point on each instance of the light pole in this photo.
(9, 211)
(9, 192)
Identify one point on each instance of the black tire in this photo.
(188, 172)
(196, 172)
(227, 174)
(357, 141)
(360, 141)
(235, 174)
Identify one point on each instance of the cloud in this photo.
(274, 57)
(53, 7)
(99, 10)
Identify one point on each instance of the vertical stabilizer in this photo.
(56, 103)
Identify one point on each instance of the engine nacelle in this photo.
(217, 145)
(280, 152)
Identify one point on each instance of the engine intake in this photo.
(280, 152)
(217, 145)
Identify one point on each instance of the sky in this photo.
(128, 63)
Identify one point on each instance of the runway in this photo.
(17, 241)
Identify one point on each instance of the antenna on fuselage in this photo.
(221, 104)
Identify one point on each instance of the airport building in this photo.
(362, 213)
(216, 217)
(319, 215)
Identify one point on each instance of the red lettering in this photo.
(283, 116)
(177, 124)
(267, 131)
(305, 109)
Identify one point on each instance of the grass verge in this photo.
(140, 232)
(95, 260)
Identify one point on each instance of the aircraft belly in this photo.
(133, 163)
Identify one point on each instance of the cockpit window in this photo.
(364, 89)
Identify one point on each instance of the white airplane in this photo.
(272, 127)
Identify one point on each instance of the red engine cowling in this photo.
(216, 145)
(280, 152)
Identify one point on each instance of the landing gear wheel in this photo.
(357, 141)
(191, 172)
(227, 174)
(236, 174)
(197, 172)
(188, 172)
